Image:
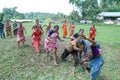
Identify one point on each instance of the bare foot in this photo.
(87, 72)
(56, 64)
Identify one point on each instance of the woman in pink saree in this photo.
(51, 43)
(20, 34)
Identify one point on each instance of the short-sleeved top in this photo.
(53, 35)
(1, 26)
(50, 32)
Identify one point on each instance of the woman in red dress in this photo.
(37, 25)
(92, 33)
(36, 38)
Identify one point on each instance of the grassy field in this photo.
(25, 64)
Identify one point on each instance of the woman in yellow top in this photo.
(72, 48)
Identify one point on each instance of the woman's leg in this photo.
(85, 65)
(75, 57)
(76, 60)
(55, 56)
(18, 44)
(3, 34)
(10, 32)
(64, 54)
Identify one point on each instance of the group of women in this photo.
(79, 44)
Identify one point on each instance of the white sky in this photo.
(50, 6)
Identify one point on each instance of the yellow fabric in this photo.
(70, 45)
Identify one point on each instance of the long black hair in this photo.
(81, 41)
(56, 26)
(81, 30)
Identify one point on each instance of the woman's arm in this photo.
(47, 37)
(24, 29)
(92, 41)
(60, 39)
(76, 48)
(16, 28)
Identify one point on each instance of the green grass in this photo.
(25, 64)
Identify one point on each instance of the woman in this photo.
(64, 29)
(48, 27)
(92, 33)
(80, 33)
(92, 59)
(20, 34)
(51, 43)
(36, 35)
(37, 25)
(8, 29)
(72, 29)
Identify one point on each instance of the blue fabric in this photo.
(50, 32)
(95, 66)
(87, 47)
(1, 26)
(2, 34)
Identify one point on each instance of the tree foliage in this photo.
(74, 16)
(43, 16)
(12, 13)
(90, 8)
(1, 16)
(110, 5)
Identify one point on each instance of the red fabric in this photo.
(20, 34)
(72, 30)
(92, 33)
(64, 29)
(36, 39)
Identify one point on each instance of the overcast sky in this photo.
(50, 6)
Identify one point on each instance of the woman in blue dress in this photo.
(92, 59)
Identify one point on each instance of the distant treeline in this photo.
(87, 9)
(12, 13)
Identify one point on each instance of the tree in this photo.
(85, 6)
(74, 16)
(1, 16)
(90, 8)
(7, 13)
(110, 5)
(12, 13)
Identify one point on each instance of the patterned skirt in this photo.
(48, 46)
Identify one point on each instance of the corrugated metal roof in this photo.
(109, 14)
